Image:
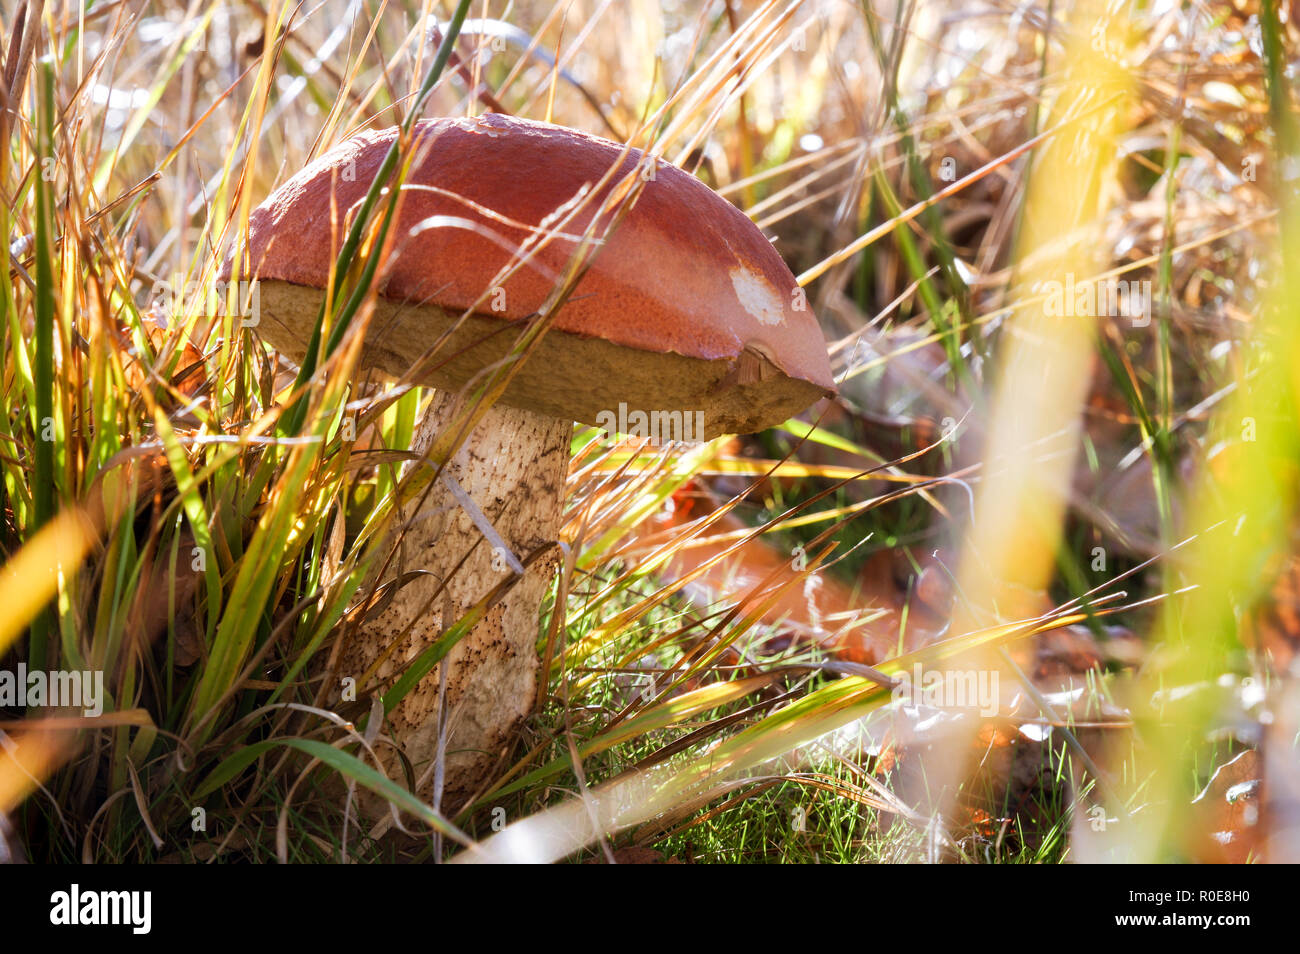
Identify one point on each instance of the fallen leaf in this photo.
(1227, 813)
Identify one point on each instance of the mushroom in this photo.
(686, 318)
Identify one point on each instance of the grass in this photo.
(189, 514)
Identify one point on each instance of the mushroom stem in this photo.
(500, 498)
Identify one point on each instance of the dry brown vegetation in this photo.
(1095, 508)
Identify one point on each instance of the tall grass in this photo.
(195, 518)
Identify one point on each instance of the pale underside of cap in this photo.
(685, 308)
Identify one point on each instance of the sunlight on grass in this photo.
(1095, 503)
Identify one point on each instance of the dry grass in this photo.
(928, 170)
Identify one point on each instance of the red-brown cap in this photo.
(686, 307)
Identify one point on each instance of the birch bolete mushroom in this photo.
(685, 313)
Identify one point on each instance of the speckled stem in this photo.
(513, 466)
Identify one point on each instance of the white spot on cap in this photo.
(757, 297)
(489, 125)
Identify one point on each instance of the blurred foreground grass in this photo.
(930, 171)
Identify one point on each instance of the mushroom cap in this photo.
(685, 306)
